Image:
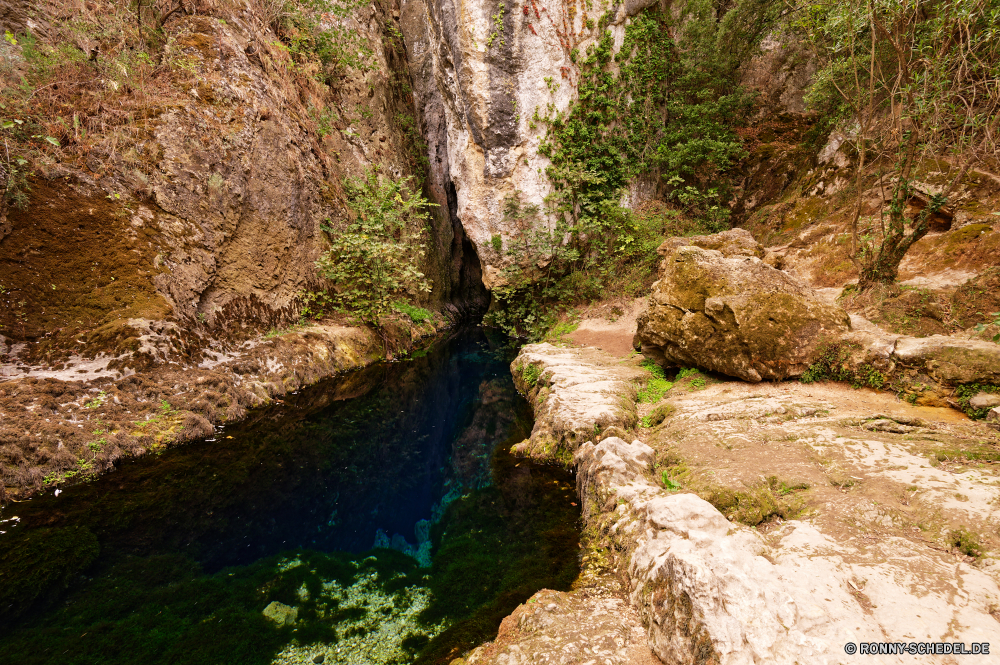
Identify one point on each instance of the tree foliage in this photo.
(913, 81)
(664, 107)
(375, 260)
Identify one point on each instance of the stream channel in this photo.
(374, 518)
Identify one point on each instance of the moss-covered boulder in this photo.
(951, 360)
(734, 242)
(735, 315)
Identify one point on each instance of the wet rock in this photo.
(281, 614)
(734, 315)
(319, 659)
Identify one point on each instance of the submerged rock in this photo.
(421, 551)
(281, 614)
(734, 314)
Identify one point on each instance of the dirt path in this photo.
(613, 335)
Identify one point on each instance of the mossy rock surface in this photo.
(735, 315)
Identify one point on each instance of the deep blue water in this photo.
(320, 504)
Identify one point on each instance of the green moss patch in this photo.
(758, 503)
(107, 277)
(834, 364)
(965, 394)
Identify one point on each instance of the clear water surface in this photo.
(374, 518)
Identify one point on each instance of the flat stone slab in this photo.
(573, 391)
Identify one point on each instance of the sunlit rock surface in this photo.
(481, 70)
(869, 557)
(735, 315)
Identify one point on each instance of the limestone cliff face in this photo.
(197, 193)
(481, 69)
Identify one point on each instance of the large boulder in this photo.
(950, 360)
(735, 315)
(734, 242)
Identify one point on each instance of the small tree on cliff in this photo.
(914, 81)
(375, 260)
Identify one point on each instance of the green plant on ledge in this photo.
(657, 386)
(531, 374)
(834, 365)
(374, 260)
(996, 322)
(416, 314)
(966, 392)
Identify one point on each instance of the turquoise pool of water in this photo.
(374, 518)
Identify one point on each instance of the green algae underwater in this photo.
(175, 559)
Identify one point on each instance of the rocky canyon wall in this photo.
(192, 182)
(481, 70)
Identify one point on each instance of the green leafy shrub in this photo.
(307, 32)
(657, 386)
(966, 542)
(996, 322)
(668, 482)
(531, 374)
(834, 364)
(915, 81)
(647, 109)
(316, 304)
(375, 259)
(966, 392)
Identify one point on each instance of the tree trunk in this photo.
(884, 268)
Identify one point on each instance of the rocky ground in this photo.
(592, 624)
(769, 521)
(774, 522)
